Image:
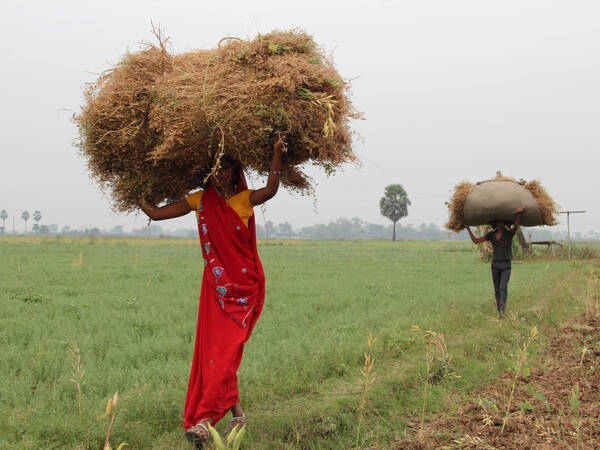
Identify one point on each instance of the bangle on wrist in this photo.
(275, 172)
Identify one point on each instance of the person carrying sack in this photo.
(501, 239)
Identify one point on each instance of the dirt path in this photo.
(555, 406)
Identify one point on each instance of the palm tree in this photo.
(25, 217)
(37, 216)
(394, 204)
(3, 216)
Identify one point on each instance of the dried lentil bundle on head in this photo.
(156, 124)
(497, 199)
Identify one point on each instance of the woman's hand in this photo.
(280, 144)
(519, 210)
(260, 196)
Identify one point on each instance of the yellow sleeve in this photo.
(194, 200)
(244, 207)
(240, 203)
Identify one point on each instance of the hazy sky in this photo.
(451, 91)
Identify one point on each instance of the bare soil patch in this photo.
(554, 406)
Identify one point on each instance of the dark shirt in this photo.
(503, 246)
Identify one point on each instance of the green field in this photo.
(130, 307)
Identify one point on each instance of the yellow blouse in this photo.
(240, 203)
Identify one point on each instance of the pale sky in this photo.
(451, 91)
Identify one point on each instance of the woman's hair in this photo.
(234, 165)
(225, 161)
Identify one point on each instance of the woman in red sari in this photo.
(232, 293)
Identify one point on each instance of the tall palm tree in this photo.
(394, 204)
(25, 217)
(37, 216)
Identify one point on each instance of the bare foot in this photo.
(198, 434)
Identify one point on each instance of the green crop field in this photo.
(130, 308)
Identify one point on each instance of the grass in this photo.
(368, 376)
(130, 308)
(522, 357)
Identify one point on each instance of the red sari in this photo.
(231, 299)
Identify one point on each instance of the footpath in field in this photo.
(555, 406)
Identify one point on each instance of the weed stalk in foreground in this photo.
(367, 379)
(520, 361)
(591, 302)
(437, 350)
(426, 388)
(77, 372)
(574, 402)
(112, 404)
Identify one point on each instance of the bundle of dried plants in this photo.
(156, 124)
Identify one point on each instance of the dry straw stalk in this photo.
(77, 373)
(368, 376)
(522, 357)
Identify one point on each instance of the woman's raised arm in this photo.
(260, 196)
(170, 211)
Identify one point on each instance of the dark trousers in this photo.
(500, 276)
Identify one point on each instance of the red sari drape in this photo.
(231, 299)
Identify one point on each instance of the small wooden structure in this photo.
(550, 244)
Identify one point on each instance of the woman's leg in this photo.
(238, 419)
(198, 434)
(213, 389)
(237, 410)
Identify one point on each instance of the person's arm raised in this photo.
(515, 226)
(476, 240)
(260, 196)
(170, 211)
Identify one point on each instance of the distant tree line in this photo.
(341, 228)
(355, 228)
(25, 216)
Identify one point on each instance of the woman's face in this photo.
(500, 225)
(223, 177)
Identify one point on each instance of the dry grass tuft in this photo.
(368, 376)
(592, 297)
(77, 373)
(438, 366)
(112, 406)
(521, 358)
(156, 124)
(456, 221)
(547, 205)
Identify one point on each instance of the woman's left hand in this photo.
(280, 144)
(519, 210)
